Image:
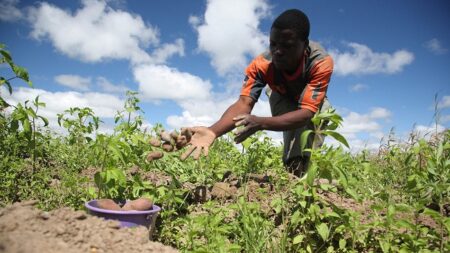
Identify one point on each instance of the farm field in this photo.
(238, 199)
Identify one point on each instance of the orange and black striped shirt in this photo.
(307, 86)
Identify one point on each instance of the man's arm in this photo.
(287, 121)
(243, 105)
(203, 137)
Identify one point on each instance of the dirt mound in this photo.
(24, 228)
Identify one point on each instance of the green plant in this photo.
(252, 229)
(26, 117)
(18, 71)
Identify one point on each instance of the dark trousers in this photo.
(292, 153)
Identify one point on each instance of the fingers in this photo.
(241, 138)
(240, 123)
(242, 134)
(187, 153)
(197, 152)
(240, 117)
(240, 131)
(240, 120)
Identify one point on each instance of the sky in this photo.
(187, 59)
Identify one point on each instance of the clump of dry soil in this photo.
(24, 228)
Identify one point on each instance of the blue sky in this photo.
(186, 58)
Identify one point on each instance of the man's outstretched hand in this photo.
(202, 138)
(250, 125)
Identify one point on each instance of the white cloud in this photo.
(229, 32)
(108, 87)
(444, 103)
(356, 125)
(435, 46)
(9, 12)
(362, 60)
(74, 81)
(379, 113)
(103, 105)
(96, 32)
(194, 20)
(427, 132)
(358, 87)
(165, 51)
(162, 82)
(187, 119)
(445, 118)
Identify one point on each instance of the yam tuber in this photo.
(108, 204)
(181, 142)
(174, 134)
(140, 204)
(167, 147)
(165, 136)
(186, 132)
(154, 155)
(155, 142)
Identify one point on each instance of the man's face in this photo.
(286, 49)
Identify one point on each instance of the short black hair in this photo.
(293, 19)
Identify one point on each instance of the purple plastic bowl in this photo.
(127, 218)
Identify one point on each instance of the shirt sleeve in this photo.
(254, 81)
(316, 89)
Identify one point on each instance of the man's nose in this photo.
(278, 51)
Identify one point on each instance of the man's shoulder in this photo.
(262, 60)
(316, 51)
(265, 57)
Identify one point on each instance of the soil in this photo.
(24, 228)
(259, 188)
(366, 212)
(89, 172)
(155, 177)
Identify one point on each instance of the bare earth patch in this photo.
(24, 228)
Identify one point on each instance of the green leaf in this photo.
(436, 215)
(323, 231)
(332, 214)
(311, 174)
(304, 138)
(45, 120)
(98, 180)
(21, 73)
(298, 239)
(385, 246)
(3, 103)
(390, 213)
(342, 243)
(402, 207)
(404, 224)
(14, 125)
(31, 112)
(4, 81)
(5, 54)
(26, 125)
(447, 224)
(295, 218)
(303, 203)
(337, 136)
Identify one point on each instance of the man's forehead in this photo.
(286, 33)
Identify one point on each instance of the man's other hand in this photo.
(202, 138)
(250, 125)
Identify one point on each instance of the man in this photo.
(297, 73)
